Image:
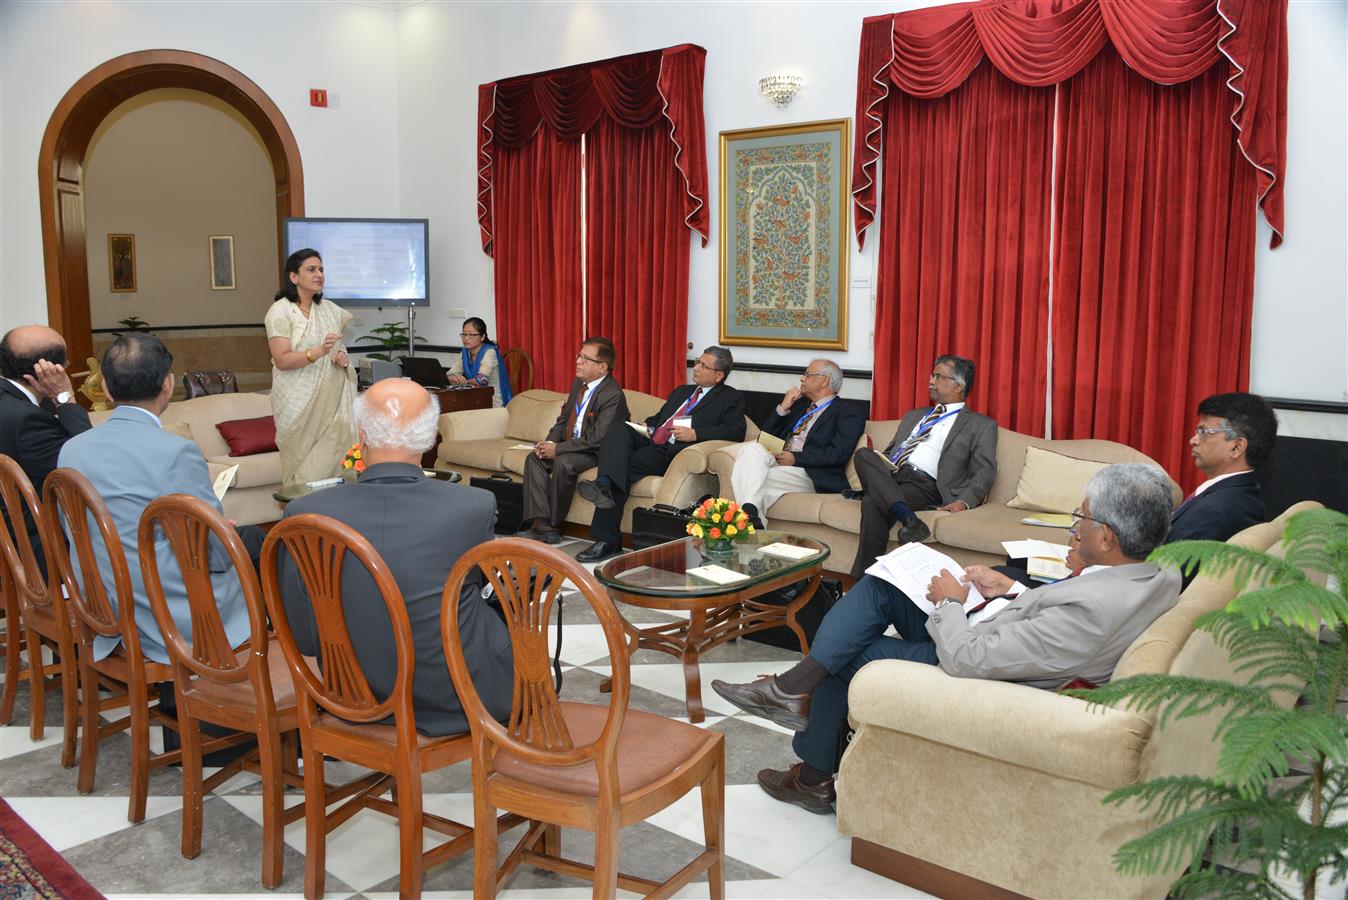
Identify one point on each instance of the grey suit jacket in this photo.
(132, 461)
(420, 527)
(968, 463)
(1077, 628)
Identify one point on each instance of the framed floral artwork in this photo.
(122, 263)
(784, 236)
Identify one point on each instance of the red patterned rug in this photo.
(29, 867)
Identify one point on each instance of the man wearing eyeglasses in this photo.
(706, 410)
(1235, 436)
(819, 433)
(1074, 629)
(943, 456)
(594, 406)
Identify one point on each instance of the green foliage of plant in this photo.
(134, 323)
(1253, 814)
(392, 337)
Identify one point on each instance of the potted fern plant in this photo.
(392, 336)
(1289, 637)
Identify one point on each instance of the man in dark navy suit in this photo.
(706, 410)
(1234, 436)
(820, 432)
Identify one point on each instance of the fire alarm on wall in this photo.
(318, 97)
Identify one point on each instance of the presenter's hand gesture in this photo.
(341, 359)
(330, 341)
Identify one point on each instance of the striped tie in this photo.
(919, 435)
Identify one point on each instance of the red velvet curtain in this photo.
(964, 247)
(1154, 259)
(537, 244)
(643, 118)
(636, 260)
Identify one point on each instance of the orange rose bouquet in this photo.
(353, 459)
(718, 523)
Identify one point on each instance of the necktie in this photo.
(919, 435)
(663, 433)
(573, 421)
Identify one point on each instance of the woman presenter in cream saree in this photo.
(312, 404)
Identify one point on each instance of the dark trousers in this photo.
(550, 483)
(625, 458)
(885, 486)
(851, 635)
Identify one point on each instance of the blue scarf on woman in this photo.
(470, 367)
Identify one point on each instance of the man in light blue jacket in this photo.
(131, 461)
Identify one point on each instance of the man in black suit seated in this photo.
(820, 432)
(595, 406)
(1235, 436)
(421, 527)
(706, 410)
(944, 455)
(38, 412)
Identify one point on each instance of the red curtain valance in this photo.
(637, 91)
(929, 52)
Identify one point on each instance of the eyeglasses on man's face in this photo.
(815, 375)
(1078, 517)
(582, 356)
(941, 376)
(701, 365)
(1200, 432)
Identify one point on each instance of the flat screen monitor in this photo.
(367, 262)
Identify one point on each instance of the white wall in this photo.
(349, 151)
(446, 50)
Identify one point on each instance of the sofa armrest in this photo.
(474, 424)
(720, 462)
(1021, 725)
(691, 460)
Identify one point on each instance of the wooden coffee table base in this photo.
(711, 622)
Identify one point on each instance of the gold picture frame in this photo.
(784, 239)
(122, 263)
(220, 249)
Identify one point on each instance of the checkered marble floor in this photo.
(772, 849)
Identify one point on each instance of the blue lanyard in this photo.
(808, 413)
(580, 403)
(919, 435)
(700, 397)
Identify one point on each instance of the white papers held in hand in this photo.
(1044, 561)
(911, 568)
(639, 428)
(223, 481)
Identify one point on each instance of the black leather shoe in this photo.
(597, 493)
(916, 530)
(764, 699)
(545, 532)
(787, 787)
(752, 512)
(597, 551)
(851, 494)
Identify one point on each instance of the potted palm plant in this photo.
(392, 336)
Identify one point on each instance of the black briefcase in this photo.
(658, 524)
(509, 500)
(829, 592)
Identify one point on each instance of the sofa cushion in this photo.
(798, 507)
(983, 528)
(853, 479)
(532, 414)
(258, 470)
(488, 455)
(1052, 482)
(202, 413)
(247, 437)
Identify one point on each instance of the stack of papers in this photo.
(911, 568)
(718, 574)
(1045, 561)
(1052, 520)
(787, 551)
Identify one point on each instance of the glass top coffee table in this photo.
(304, 489)
(667, 577)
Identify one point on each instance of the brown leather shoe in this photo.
(787, 787)
(763, 698)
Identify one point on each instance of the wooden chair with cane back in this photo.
(576, 765)
(32, 603)
(246, 688)
(520, 367)
(125, 672)
(339, 715)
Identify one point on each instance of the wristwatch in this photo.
(63, 397)
(945, 601)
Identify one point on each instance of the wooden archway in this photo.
(60, 168)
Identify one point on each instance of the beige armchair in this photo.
(965, 787)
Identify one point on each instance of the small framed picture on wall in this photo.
(122, 263)
(222, 262)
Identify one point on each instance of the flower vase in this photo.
(722, 549)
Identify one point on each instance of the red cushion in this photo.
(248, 436)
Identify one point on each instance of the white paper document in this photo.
(771, 442)
(787, 551)
(682, 422)
(223, 481)
(718, 574)
(911, 569)
(1044, 561)
(639, 428)
(522, 447)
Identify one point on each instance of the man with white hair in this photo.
(1045, 638)
(819, 431)
(420, 526)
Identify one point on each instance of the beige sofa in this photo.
(249, 501)
(480, 442)
(951, 780)
(971, 537)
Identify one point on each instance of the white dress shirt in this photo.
(927, 456)
(584, 405)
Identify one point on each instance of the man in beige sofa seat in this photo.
(943, 456)
(1078, 628)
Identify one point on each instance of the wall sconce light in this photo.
(780, 89)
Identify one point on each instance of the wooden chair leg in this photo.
(14, 645)
(607, 836)
(410, 859)
(273, 803)
(315, 822)
(189, 734)
(37, 688)
(70, 688)
(88, 727)
(484, 847)
(552, 840)
(713, 823)
(140, 751)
